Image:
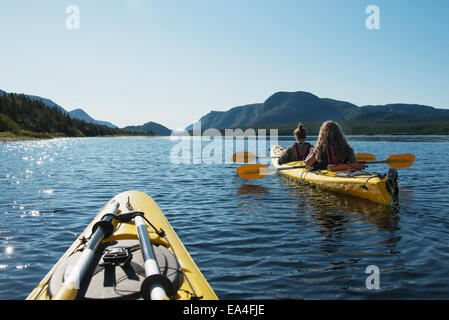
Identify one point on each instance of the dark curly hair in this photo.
(331, 133)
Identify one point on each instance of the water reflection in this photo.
(334, 210)
(350, 230)
(248, 189)
(406, 192)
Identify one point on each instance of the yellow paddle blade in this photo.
(400, 160)
(243, 156)
(365, 157)
(254, 171)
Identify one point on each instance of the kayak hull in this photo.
(190, 282)
(367, 186)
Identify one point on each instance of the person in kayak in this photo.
(331, 150)
(299, 150)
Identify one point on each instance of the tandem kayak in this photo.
(380, 188)
(128, 251)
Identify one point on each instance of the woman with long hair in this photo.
(331, 149)
(298, 151)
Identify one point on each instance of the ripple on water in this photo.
(264, 239)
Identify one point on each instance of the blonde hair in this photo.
(300, 132)
(331, 133)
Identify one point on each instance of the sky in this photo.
(171, 62)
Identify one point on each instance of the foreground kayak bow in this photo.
(128, 251)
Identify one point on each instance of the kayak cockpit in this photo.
(118, 271)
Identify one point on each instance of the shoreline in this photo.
(18, 139)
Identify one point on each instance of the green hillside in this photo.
(370, 128)
(151, 126)
(282, 109)
(21, 116)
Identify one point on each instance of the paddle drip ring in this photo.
(155, 279)
(104, 225)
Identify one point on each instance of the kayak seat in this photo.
(118, 271)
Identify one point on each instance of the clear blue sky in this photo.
(173, 61)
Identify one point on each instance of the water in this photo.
(262, 239)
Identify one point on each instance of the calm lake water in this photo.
(262, 239)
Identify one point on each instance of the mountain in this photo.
(23, 116)
(293, 107)
(280, 108)
(47, 102)
(398, 112)
(76, 114)
(82, 115)
(153, 127)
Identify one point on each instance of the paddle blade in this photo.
(254, 171)
(243, 156)
(400, 160)
(365, 157)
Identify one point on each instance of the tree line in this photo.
(21, 115)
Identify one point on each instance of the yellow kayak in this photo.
(380, 188)
(128, 251)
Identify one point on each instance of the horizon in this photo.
(138, 60)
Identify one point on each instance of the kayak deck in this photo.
(374, 187)
(123, 277)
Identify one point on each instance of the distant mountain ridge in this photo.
(289, 107)
(28, 117)
(398, 112)
(151, 126)
(79, 114)
(82, 115)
